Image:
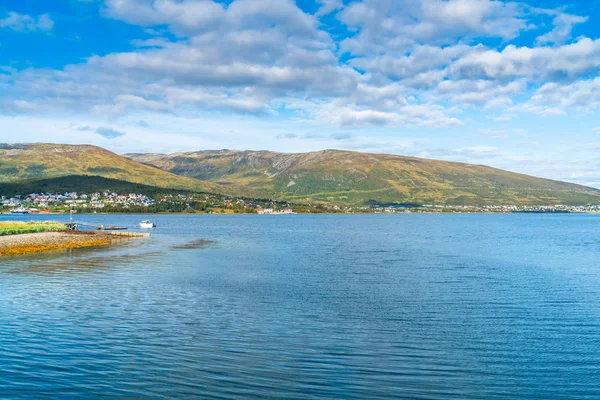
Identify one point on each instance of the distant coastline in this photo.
(590, 212)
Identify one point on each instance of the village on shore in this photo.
(110, 202)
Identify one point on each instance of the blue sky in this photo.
(509, 84)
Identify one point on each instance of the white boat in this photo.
(147, 225)
(19, 211)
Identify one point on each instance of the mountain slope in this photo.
(360, 178)
(41, 161)
(78, 183)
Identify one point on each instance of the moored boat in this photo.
(19, 211)
(147, 225)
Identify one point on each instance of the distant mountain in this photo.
(330, 176)
(345, 177)
(20, 162)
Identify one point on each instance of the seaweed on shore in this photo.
(33, 248)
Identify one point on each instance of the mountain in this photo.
(345, 177)
(330, 176)
(20, 162)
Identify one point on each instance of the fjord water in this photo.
(352, 307)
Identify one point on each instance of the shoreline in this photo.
(321, 213)
(33, 243)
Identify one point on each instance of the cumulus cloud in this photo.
(423, 59)
(385, 25)
(189, 17)
(329, 6)
(351, 116)
(570, 61)
(563, 25)
(583, 95)
(27, 23)
(405, 63)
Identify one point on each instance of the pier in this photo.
(110, 230)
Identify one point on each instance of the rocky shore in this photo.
(49, 241)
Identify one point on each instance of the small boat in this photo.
(147, 225)
(19, 211)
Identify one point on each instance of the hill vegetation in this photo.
(344, 177)
(323, 177)
(79, 184)
(42, 161)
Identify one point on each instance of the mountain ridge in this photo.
(327, 176)
(27, 161)
(352, 177)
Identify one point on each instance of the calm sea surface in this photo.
(295, 307)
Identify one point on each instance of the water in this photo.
(352, 307)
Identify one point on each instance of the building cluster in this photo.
(267, 211)
(195, 202)
(490, 209)
(216, 204)
(135, 202)
(44, 201)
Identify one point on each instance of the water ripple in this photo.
(410, 307)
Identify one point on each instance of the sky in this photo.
(513, 85)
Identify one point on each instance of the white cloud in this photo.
(423, 59)
(388, 26)
(563, 25)
(351, 116)
(409, 64)
(570, 61)
(26, 23)
(584, 94)
(253, 52)
(329, 6)
(190, 17)
(487, 93)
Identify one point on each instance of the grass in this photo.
(17, 227)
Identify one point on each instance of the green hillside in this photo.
(78, 183)
(42, 161)
(344, 177)
(330, 176)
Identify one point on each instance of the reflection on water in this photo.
(79, 260)
(76, 261)
(194, 244)
(310, 307)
